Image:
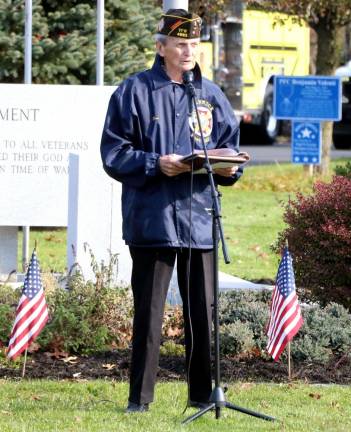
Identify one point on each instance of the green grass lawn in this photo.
(51, 248)
(251, 223)
(252, 212)
(252, 218)
(48, 406)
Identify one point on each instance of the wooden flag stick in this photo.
(24, 363)
(289, 361)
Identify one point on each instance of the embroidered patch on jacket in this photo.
(205, 113)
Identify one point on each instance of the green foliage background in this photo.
(64, 40)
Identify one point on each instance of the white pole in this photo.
(100, 43)
(215, 39)
(175, 4)
(25, 247)
(27, 80)
(28, 43)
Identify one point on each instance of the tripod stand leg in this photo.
(199, 413)
(250, 412)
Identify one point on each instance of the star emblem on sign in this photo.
(306, 133)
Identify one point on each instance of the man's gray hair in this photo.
(161, 38)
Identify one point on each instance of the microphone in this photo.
(188, 79)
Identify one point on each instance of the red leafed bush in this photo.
(319, 236)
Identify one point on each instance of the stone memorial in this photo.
(40, 126)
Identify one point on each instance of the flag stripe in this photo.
(285, 314)
(287, 335)
(28, 323)
(273, 303)
(28, 338)
(284, 324)
(27, 334)
(276, 312)
(31, 312)
(283, 329)
(25, 304)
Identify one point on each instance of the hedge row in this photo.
(88, 318)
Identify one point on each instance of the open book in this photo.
(219, 158)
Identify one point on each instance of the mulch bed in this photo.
(115, 366)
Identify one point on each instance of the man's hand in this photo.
(226, 172)
(171, 165)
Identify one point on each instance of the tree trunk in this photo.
(327, 138)
(328, 58)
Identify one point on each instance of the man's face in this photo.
(179, 54)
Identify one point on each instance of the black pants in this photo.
(151, 274)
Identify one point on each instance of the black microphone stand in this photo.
(217, 399)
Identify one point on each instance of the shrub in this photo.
(244, 314)
(319, 235)
(250, 308)
(9, 296)
(173, 323)
(325, 332)
(170, 348)
(8, 303)
(343, 170)
(6, 321)
(236, 338)
(87, 317)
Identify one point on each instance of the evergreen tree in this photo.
(12, 38)
(64, 40)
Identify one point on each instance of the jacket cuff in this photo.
(229, 181)
(152, 167)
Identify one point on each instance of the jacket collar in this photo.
(161, 79)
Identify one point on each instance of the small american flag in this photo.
(285, 316)
(31, 312)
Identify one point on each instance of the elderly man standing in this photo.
(146, 133)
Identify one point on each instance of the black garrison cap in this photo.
(180, 23)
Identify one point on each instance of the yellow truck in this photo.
(248, 48)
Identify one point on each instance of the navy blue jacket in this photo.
(148, 117)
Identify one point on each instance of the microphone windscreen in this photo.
(188, 77)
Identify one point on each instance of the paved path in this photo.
(265, 154)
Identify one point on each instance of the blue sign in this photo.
(306, 142)
(309, 97)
